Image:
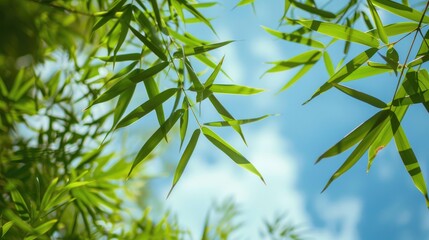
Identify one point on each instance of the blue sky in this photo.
(382, 204)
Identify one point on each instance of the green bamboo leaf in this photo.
(209, 63)
(116, 6)
(234, 89)
(235, 122)
(306, 58)
(379, 25)
(367, 21)
(364, 72)
(184, 120)
(146, 107)
(401, 10)
(157, 15)
(340, 32)
(422, 97)
(226, 115)
(385, 136)
(185, 158)
(124, 22)
(149, 73)
(345, 71)
(155, 139)
(373, 101)
(196, 13)
(121, 58)
(48, 194)
(362, 147)
(214, 74)
(122, 104)
(5, 228)
(230, 151)
(244, 2)
(301, 72)
(123, 71)
(197, 85)
(191, 50)
(294, 37)
(20, 204)
(355, 136)
(328, 63)
(204, 4)
(410, 160)
(152, 91)
(17, 220)
(45, 227)
(311, 9)
(157, 50)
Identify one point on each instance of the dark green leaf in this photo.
(152, 91)
(361, 96)
(345, 71)
(184, 119)
(311, 9)
(146, 107)
(121, 58)
(185, 158)
(156, 137)
(190, 50)
(157, 50)
(121, 106)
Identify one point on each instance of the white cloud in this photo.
(206, 182)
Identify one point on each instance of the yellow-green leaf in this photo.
(378, 24)
(340, 32)
(235, 122)
(314, 10)
(230, 151)
(307, 58)
(361, 96)
(190, 50)
(401, 10)
(294, 37)
(234, 89)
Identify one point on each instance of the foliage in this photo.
(352, 25)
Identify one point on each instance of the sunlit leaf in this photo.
(340, 32)
(301, 72)
(156, 137)
(328, 63)
(361, 96)
(311, 9)
(306, 58)
(185, 158)
(5, 228)
(409, 159)
(190, 50)
(184, 119)
(355, 136)
(146, 107)
(124, 22)
(244, 2)
(152, 91)
(294, 37)
(234, 89)
(401, 10)
(345, 71)
(46, 226)
(235, 122)
(230, 151)
(214, 74)
(379, 25)
(196, 13)
(197, 85)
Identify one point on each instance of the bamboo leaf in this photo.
(5, 228)
(301, 73)
(361, 96)
(198, 86)
(157, 50)
(196, 13)
(185, 158)
(230, 151)
(306, 58)
(340, 32)
(45, 227)
(364, 72)
(124, 21)
(214, 74)
(379, 25)
(146, 107)
(152, 91)
(184, 119)
(355, 136)
(122, 104)
(121, 58)
(360, 149)
(156, 137)
(294, 37)
(226, 115)
(235, 122)
(244, 2)
(328, 63)
(400, 10)
(409, 159)
(311, 9)
(190, 50)
(422, 97)
(345, 71)
(234, 89)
